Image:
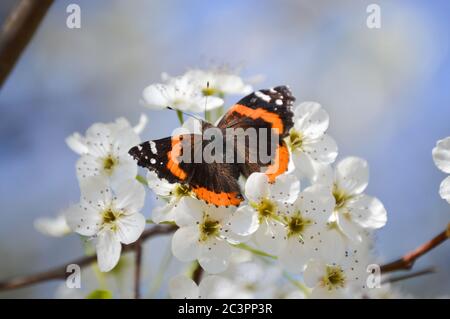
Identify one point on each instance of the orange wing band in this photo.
(172, 156)
(280, 164)
(219, 199)
(259, 113)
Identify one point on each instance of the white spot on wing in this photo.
(153, 161)
(263, 96)
(153, 147)
(279, 102)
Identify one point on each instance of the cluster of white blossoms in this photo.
(111, 198)
(306, 235)
(441, 156)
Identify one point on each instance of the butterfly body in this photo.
(214, 178)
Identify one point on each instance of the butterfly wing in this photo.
(215, 183)
(271, 110)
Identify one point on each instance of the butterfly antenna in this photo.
(206, 100)
(185, 113)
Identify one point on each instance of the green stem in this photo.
(296, 283)
(141, 179)
(254, 250)
(180, 117)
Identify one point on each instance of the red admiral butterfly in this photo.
(217, 182)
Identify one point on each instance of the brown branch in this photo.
(137, 270)
(408, 260)
(416, 274)
(60, 271)
(17, 32)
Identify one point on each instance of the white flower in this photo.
(111, 215)
(179, 93)
(305, 222)
(255, 278)
(262, 215)
(171, 194)
(211, 287)
(104, 150)
(441, 157)
(203, 234)
(309, 144)
(354, 210)
(52, 226)
(220, 82)
(336, 278)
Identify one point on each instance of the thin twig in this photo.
(408, 260)
(60, 271)
(17, 32)
(137, 270)
(419, 273)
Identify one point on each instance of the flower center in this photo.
(266, 209)
(340, 197)
(109, 217)
(208, 228)
(295, 139)
(108, 164)
(334, 278)
(208, 91)
(182, 190)
(297, 224)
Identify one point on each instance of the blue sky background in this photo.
(387, 92)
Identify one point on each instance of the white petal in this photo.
(99, 139)
(349, 228)
(257, 187)
(244, 221)
(88, 165)
(52, 226)
(108, 251)
(314, 271)
(324, 175)
(322, 150)
(367, 211)
(295, 255)
(333, 245)
(352, 175)
(158, 185)
(124, 171)
(188, 211)
(269, 236)
(96, 192)
(83, 219)
(130, 196)
(182, 287)
(77, 143)
(155, 96)
(310, 119)
(285, 189)
(304, 165)
(214, 256)
(124, 140)
(444, 190)
(216, 287)
(143, 119)
(316, 202)
(130, 228)
(185, 243)
(207, 103)
(441, 155)
(164, 213)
